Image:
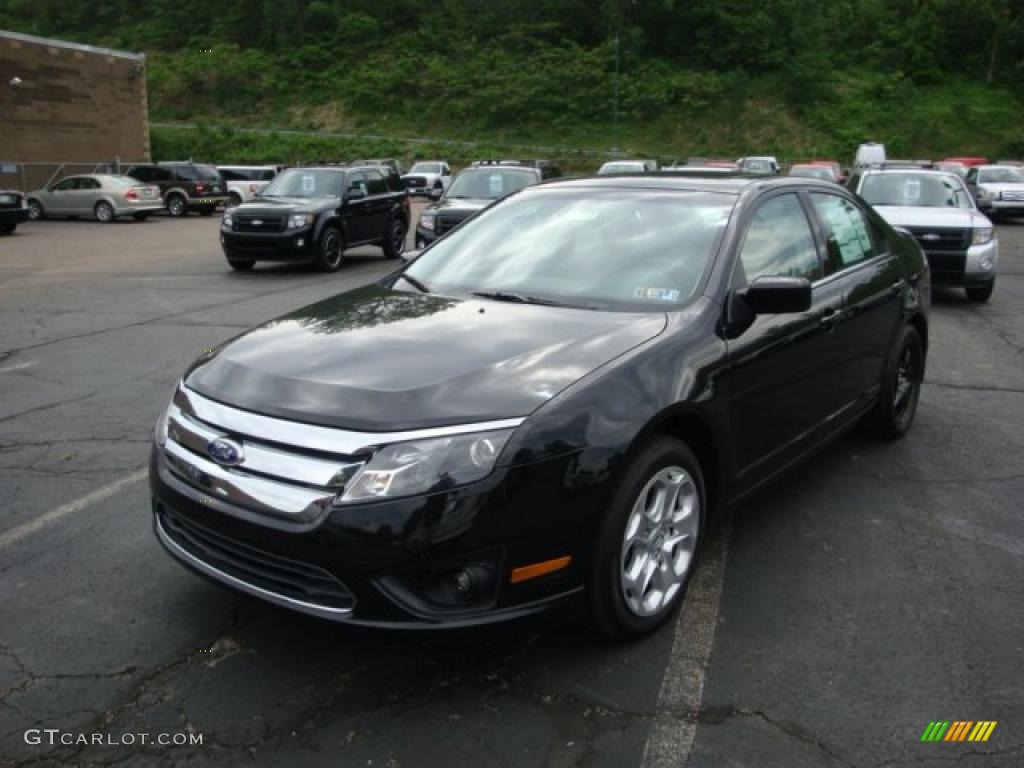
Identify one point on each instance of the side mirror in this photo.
(765, 296)
(435, 193)
(778, 295)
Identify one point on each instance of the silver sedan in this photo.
(101, 195)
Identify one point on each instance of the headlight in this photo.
(297, 220)
(406, 469)
(228, 221)
(160, 433)
(982, 236)
(427, 221)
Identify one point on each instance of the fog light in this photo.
(300, 242)
(986, 263)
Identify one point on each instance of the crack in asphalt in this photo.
(973, 387)
(47, 407)
(1016, 749)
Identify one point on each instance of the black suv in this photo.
(185, 186)
(313, 214)
(12, 210)
(471, 190)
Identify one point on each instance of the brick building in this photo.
(66, 103)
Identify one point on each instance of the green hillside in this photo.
(791, 77)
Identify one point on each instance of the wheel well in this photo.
(700, 439)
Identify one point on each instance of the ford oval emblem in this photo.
(257, 222)
(225, 452)
(931, 237)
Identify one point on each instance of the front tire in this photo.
(647, 544)
(893, 414)
(35, 210)
(208, 211)
(241, 265)
(394, 243)
(980, 293)
(104, 212)
(140, 216)
(329, 250)
(234, 200)
(8, 229)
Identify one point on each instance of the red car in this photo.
(968, 161)
(837, 169)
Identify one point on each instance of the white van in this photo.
(869, 154)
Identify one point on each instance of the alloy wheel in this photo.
(659, 541)
(906, 383)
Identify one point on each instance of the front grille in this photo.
(942, 239)
(413, 182)
(945, 266)
(447, 221)
(1013, 197)
(257, 223)
(282, 576)
(9, 201)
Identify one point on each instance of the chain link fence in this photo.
(30, 176)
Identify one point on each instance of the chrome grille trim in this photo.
(312, 437)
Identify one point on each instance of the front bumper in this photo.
(977, 265)
(996, 205)
(424, 237)
(128, 209)
(371, 564)
(13, 215)
(207, 202)
(290, 245)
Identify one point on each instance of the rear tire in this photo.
(35, 210)
(207, 211)
(648, 541)
(104, 212)
(330, 250)
(177, 206)
(980, 293)
(394, 238)
(893, 414)
(140, 216)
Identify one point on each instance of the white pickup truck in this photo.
(244, 181)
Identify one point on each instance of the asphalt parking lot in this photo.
(876, 589)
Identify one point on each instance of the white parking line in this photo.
(49, 518)
(670, 740)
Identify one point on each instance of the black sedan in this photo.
(12, 210)
(549, 404)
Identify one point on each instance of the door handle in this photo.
(831, 317)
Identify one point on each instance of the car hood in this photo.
(948, 218)
(376, 360)
(279, 205)
(472, 204)
(1006, 186)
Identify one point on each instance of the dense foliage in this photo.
(795, 77)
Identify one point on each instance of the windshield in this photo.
(1000, 176)
(197, 172)
(812, 172)
(915, 189)
(757, 166)
(606, 249)
(622, 168)
(426, 168)
(490, 183)
(306, 182)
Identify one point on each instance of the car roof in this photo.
(908, 169)
(735, 184)
(991, 166)
(249, 167)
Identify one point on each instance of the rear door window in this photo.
(848, 235)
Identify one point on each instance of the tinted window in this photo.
(848, 236)
(196, 172)
(375, 183)
(142, 174)
(394, 181)
(490, 183)
(778, 243)
(86, 183)
(915, 189)
(813, 172)
(358, 181)
(305, 182)
(65, 184)
(638, 251)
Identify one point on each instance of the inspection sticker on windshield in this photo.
(655, 294)
(308, 182)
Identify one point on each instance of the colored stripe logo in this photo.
(959, 730)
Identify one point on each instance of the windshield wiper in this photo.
(415, 283)
(517, 298)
